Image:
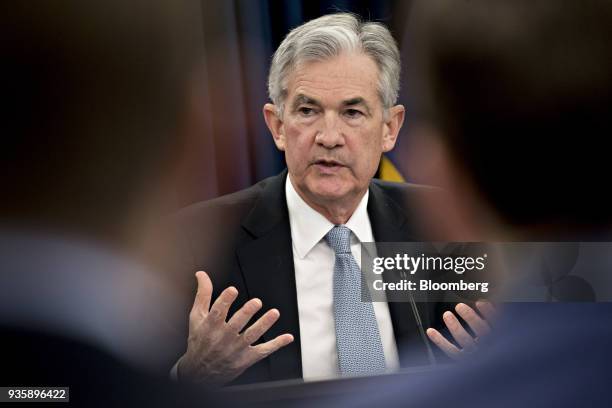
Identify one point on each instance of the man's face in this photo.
(333, 129)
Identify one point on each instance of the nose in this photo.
(330, 135)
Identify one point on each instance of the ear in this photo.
(275, 124)
(392, 127)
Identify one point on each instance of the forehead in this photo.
(343, 77)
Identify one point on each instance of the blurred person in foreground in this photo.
(290, 245)
(97, 113)
(514, 103)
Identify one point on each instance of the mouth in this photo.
(328, 166)
(328, 163)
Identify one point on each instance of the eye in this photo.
(353, 113)
(306, 111)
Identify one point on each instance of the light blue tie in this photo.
(358, 341)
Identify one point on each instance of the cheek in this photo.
(367, 153)
(297, 146)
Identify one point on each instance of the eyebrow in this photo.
(303, 99)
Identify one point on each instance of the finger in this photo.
(486, 309)
(265, 349)
(242, 316)
(458, 332)
(446, 346)
(203, 295)
(262, 325)
(478, 326)
(219, 309)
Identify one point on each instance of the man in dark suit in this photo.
(333, 83)
(255, 255)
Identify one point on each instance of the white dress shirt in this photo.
(314, 261)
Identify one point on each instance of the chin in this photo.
(330, 191)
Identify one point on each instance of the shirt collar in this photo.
(359, 223)
(308, 226)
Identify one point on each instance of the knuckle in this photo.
(246, 338)
(263, 351)
(192, 341)
(254, 305)
(272, 316)
(231, 327)
(249, 337)
(214, 315)
(249, 308)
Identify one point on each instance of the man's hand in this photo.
(217, 351)
(479, 326)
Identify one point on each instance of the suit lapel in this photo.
(266, 262)
(392, 223)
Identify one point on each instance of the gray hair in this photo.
(329, 36)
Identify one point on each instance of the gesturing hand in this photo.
(219, 351)
(468, 343)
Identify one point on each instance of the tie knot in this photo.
(339, 239)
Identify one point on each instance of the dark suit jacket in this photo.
(244, 239)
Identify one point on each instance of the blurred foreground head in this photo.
(96, 96)
(513, 109)
(98, 102)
